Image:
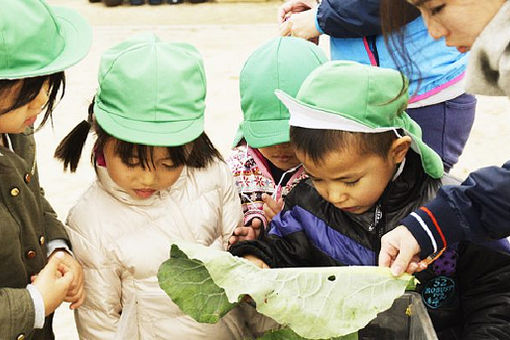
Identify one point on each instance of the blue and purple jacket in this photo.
(311, 232)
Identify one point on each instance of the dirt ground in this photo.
(225, 33)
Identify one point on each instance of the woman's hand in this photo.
(294, 6)
(399, 251)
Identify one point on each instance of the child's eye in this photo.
(132, 162)
(351, 183)
(170, 166)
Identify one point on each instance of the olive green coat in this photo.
(27, 223)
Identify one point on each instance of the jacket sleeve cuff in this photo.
(38, 305)
(58, 244)
(255, 248)
(251, 214)
(317, 26)
(434, 226)
(320, 17)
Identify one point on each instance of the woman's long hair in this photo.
(395, 15)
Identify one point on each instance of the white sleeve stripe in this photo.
(427, 230)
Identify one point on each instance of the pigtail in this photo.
(70, 148)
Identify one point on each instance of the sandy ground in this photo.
(225, 33)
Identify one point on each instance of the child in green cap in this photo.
(37, 44)
(368, 168)
(159, 179)
(263, 163)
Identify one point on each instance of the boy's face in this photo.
(349, 180)
(282, 155)
(138, 182)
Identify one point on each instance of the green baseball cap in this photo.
(282, 63)
(38, 40)
(151, 92)
(348, 96)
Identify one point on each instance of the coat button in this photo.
(20, 337)
(41, 240)
(27, 178)
(14, 192)
(31, 254)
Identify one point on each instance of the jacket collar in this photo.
(484, 67)
(408, 186)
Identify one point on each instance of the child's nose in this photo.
(337, 196)
(148, 177)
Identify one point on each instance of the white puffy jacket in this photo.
(121, 243)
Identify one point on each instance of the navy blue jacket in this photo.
(349, 18)
(477, 209)
(467, 290)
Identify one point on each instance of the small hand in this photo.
(75, 294)
(399, 251)
(271, 207)
(246, 233)
(53, 282)
(255, 260)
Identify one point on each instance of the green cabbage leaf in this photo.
(315, 303)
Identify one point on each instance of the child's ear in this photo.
(399, 148)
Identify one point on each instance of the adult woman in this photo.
(438, 102)
(480, 207)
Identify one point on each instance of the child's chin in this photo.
(353, 210)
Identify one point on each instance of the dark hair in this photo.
(29, 90)
(197, 154)
(395, 15)
(317, 143)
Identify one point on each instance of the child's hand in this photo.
(255, 260)
(271, 207)
(246, 233)
(53, 282)
(75, 294)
